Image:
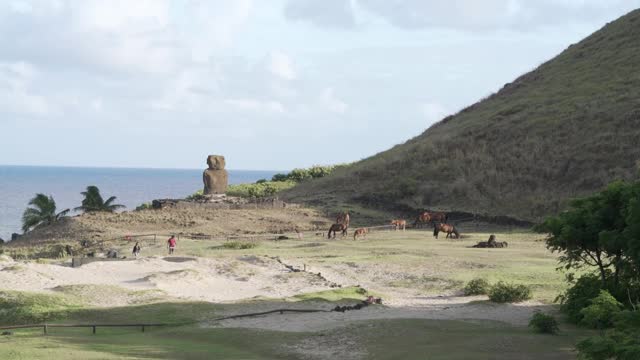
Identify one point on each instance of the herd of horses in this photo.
(438, 220)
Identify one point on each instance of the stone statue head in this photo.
(216, 162)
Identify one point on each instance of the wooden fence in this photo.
(45, 327)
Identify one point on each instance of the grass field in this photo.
(400, 267)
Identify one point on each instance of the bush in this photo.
(261, 190)
(543, 323)
(477, 287)
(196, 195)
(621, 342)
(579, 296)
(599, 315)
(145, 206)
(504, 293)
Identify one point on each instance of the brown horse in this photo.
(337, 227)
(399, 224)
(430, 217)
(343, 218)
(360, 232)
(447, 228)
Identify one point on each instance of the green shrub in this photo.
(298, 175)
(599, 315)
(196, 195)
(504, 293)
(477, 287)
(543, 323)
(144, 206)
(261, 190)
(622, 342)
(239, 245)
(578, 297)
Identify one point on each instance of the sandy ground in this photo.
(245, 277)
(188, 278)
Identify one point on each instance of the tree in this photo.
(600, 231)
(41, 212)
(93, 201)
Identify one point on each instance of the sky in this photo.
(270, 84)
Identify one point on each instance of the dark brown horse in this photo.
(337, 227)
(447, 228)
(430, 217)
(343, 218)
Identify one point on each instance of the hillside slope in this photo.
(563, 130)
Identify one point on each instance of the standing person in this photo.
(172, 244)
(136, 250)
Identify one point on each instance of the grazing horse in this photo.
(447, 228)
(335, 228)
(399, 224)
(430, 217)
(360, 232)
(343, 218)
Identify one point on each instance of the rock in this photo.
(215, 178)
(112, 254)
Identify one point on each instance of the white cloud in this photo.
(327, 13)
(280, 65)
(256, 105)
(15, 97)
(329, 101)
(459, 14)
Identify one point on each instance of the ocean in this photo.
(132, 187)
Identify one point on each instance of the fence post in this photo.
(94, 329)
(45, 329)
(142, 328)
(154, 238)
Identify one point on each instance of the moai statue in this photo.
(215, 178)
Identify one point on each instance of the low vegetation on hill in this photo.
(264, 188)
(564, 130)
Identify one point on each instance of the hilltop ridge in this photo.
(563, 130)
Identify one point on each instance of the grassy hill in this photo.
(563, 130)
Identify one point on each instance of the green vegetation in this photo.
(599, 235)
(544, 323)
(599, 314)
(93, 201)
(30, 308)
(517, 152)
(299, 175)
(477, 287)
(578, 296)
(502, 292)
(42, 212)
(279, 182)
(259, 190)
(379, 339)
(144, 206)
(622, 342)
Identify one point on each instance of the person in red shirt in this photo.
(172, 243)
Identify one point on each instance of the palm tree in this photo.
(93, 201)
(42, 212)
